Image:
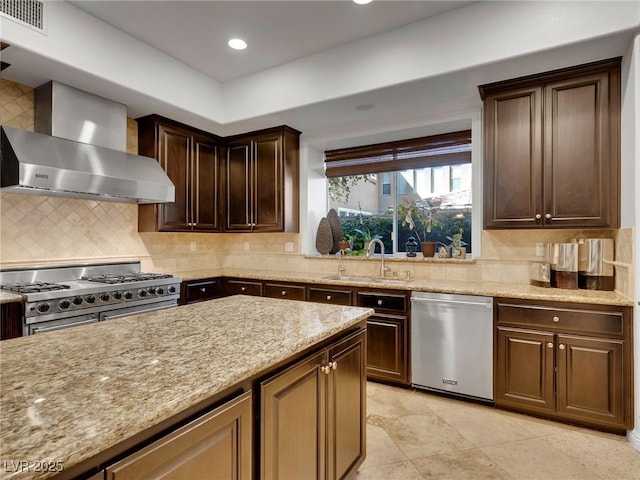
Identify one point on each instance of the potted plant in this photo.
(424, 213)
(458, 248)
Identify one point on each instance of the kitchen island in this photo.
(78, 398)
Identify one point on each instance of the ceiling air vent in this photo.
(28, 12)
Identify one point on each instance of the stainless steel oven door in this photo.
(125, 312)
(52, 325)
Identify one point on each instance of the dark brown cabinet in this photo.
(242, 287)
(313, 415)
(387, 336)
(190, 158)
(216, 445)
(192, 291)
(281, 290)
(569, 362)
(552, 149)
(261, 176)
(329, 295)
(11, 320)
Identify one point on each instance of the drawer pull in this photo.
(202, 289)
(283, 293)
(334, 365)
(548, 216)
(379, 302)
(561, 346)
(328, 297)
(550, 345)
(556, 319)
(243, 289)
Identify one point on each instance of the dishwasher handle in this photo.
(451, 302)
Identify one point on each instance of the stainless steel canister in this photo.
(595, 263)
(563, 258)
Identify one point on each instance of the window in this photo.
(425, 191)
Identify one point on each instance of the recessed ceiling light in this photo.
(237, 44)
(362, 2)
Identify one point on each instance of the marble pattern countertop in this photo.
(6, 297)
(66, 396)
(490, 289)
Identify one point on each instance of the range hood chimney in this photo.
(79, 151)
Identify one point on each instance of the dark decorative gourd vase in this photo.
(336, 229)
(324, 237)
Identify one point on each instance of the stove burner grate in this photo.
(129, 277)
(34, 287)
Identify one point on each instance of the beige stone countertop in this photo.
(68, 395)
(490, 289)
(6, 297)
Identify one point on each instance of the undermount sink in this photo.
(357, 278)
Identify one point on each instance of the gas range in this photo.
(61, 296)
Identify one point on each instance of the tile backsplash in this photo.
(40, 230)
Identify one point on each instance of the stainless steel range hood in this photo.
(78, 151)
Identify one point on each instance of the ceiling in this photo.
(279, 32)
(196, 32)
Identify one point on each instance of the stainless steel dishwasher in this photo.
(452, 344)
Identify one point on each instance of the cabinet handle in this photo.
(556, 319)
(379, 302)
(550, 345)
(334, 365)
(283, 293)
(561, 346)
(548, 216)
(243, 289)
(324, 369)
(538, 216)
(202, 289)
(328, 297)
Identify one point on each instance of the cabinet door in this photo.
(292, 440)
(238, 186)
(267, 183)
(387, 348)
(10, 320)
(217, 445)
(346, 412)
(590, 379)
(174, 155)
(580, 164)
(204, 181)
(525, 369)
(513, 159)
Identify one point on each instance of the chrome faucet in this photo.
(372, 249)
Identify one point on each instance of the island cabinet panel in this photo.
(552, 149)
(216, 445)
(190, 157)
(11, 320)
(314, 415)
(387, 335)
(571, 362)
(261, 176)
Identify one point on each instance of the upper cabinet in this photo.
(552, 149)
(190, 158)
(261, 181)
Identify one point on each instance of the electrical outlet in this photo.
(288, 246)
(246, 246)
(192, 246)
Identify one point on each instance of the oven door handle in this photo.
(37, 329)
(105, 317)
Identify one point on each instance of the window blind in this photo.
(433, 151)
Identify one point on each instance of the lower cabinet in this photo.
(217, 445)
(11, 320)
(314, 415)
(569, 362)
(192, 291)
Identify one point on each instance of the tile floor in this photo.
(415, 436)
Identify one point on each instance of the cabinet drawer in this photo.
(336, 297)
(582, 320)
(382, 301)
(243, 287)
(198, 291)
(290, 292)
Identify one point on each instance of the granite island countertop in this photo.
(484, 288)
(66, 396)
(7, 297)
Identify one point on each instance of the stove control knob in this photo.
(105, 297)
(128, 295)
(172, 289)
(77, 301)
(117, 295)
(142, 293)
(90, 299)
(160, 291)
(64, 304)
(43, 307)
(151, 290)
